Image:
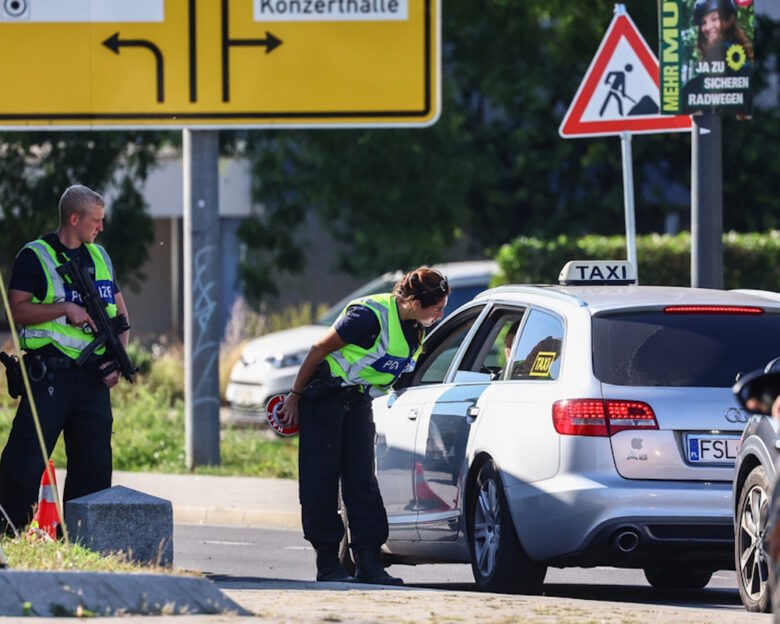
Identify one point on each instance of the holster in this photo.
(13, 374)
(322, 384)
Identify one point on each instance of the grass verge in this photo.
(32, 553)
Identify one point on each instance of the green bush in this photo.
(167, 374)
(140, 357)
(749, 260)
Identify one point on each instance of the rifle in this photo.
(108, 329)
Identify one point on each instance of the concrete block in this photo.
(119, 519)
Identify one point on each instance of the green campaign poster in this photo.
(706, 56)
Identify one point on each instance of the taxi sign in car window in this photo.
(598, 272)
(543, 363)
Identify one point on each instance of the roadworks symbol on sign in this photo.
(620, 90)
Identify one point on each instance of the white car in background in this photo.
(269, 364)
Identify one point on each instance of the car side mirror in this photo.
(757, 393)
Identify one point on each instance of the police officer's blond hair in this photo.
(78, 199)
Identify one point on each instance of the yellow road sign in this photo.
(218, 63)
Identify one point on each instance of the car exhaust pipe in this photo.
(626, 540)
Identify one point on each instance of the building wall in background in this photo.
(158, 307)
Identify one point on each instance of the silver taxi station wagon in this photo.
(582, 424)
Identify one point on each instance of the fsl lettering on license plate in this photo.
(712, 450)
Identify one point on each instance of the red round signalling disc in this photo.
(271, 413)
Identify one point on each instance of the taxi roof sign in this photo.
(598, 273)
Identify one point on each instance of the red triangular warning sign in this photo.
(620, 90)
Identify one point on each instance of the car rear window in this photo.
(698, 350)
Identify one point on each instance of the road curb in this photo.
(27, 593)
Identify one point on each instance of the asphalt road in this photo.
(247, 555)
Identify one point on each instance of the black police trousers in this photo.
(337, 443)
(74, 401)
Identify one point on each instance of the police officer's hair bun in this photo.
(424, 284)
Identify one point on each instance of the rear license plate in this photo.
(712, 449)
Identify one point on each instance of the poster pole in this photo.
(706, 202)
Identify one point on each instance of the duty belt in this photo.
(38, 365)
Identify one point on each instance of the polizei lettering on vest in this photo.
(330, 10)
(670, 57)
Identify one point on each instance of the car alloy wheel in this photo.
(498, 561)
(487, 528)
(751, 557)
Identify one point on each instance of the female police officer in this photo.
(375, 339)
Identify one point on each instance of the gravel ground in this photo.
(277, 602)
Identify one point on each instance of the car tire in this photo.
(498, 561)
(750, 555)
(677, 578)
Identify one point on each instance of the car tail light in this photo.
(712, 309)
(630, 415)
(595, 417)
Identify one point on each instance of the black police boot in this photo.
(370, 569)
(329, 568)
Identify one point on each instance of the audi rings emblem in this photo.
(736, 415)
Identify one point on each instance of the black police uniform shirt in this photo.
(28, 275)
(360, 326)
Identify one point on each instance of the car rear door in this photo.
(682, 364)
(514, 424)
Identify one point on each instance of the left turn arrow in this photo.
(113, 43)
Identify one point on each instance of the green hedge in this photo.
(749, 260)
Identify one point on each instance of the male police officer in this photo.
(55, 329)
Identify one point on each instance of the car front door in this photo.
(398, 417)
(440, 465)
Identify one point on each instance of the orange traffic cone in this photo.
(426, 497)
(46, 517)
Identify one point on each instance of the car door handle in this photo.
(471, 413)
(413, 413)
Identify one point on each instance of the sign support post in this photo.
(201, 296)
(628, 199)
(620, 95)
(706, 202)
